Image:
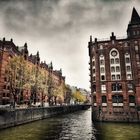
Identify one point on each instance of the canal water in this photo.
(75, 126)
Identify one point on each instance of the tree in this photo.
(68, 94)
(78, 97)
(17, 76)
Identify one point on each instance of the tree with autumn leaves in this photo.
(33, 80)
(78, 97)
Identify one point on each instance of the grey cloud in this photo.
(59, 29)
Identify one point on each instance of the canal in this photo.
(75, 126)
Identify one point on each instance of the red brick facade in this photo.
(115, 75)
(9, 50)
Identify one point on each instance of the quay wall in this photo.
(14, 117)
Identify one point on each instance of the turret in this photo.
(25, 51)
(133, 30)
(37, 57)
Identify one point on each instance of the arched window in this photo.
(129, 76)
(104, 100)
(112, 69)
(113, 77)
(118, 77)
(102, 62)
(128, 68)
(102, 70)
(117, 61)
(131, 99)
(102, 77)
(127, 60)
(112, 61)
(117, 69)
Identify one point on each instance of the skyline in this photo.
(60, 29)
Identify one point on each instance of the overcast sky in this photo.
(60, 29)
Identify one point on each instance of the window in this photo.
(94, 87)
(129, 76)
(118, 77)
(104, 100)
(112, 61)
(93, 78)
(93, 63)
(103, 88)
(94, 99)
(102, 77)
(102, 69)
(131, 99)
(113, 77)
(134, 33)
(127, 60)
(128, 68)
(93, 70)
(117, 60)
(117, 69)
(102, 62)
(117, 99)
(136, 48)
(130, 87)
(137, 56)
(112, 69)
(116, 87)
(101, 47)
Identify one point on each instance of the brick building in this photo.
(115, 75)
(29, 89)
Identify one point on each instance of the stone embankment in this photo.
(14, 117)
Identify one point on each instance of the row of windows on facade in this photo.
(116, 87)
(116, 99)
(136, 32)
(113, 61)
(113, 69)
(114, 77)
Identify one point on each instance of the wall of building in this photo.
(36, 69)
(9, 118)
(115, 75)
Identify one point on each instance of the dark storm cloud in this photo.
(59, 29)
(57, 16)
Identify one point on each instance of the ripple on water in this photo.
(75, 126)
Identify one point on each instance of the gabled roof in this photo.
(135, 18)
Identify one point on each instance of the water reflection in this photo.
(75, 126)
(118, 131)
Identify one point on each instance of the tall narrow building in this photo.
(115, 75)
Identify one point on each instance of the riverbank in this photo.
(14, 117)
